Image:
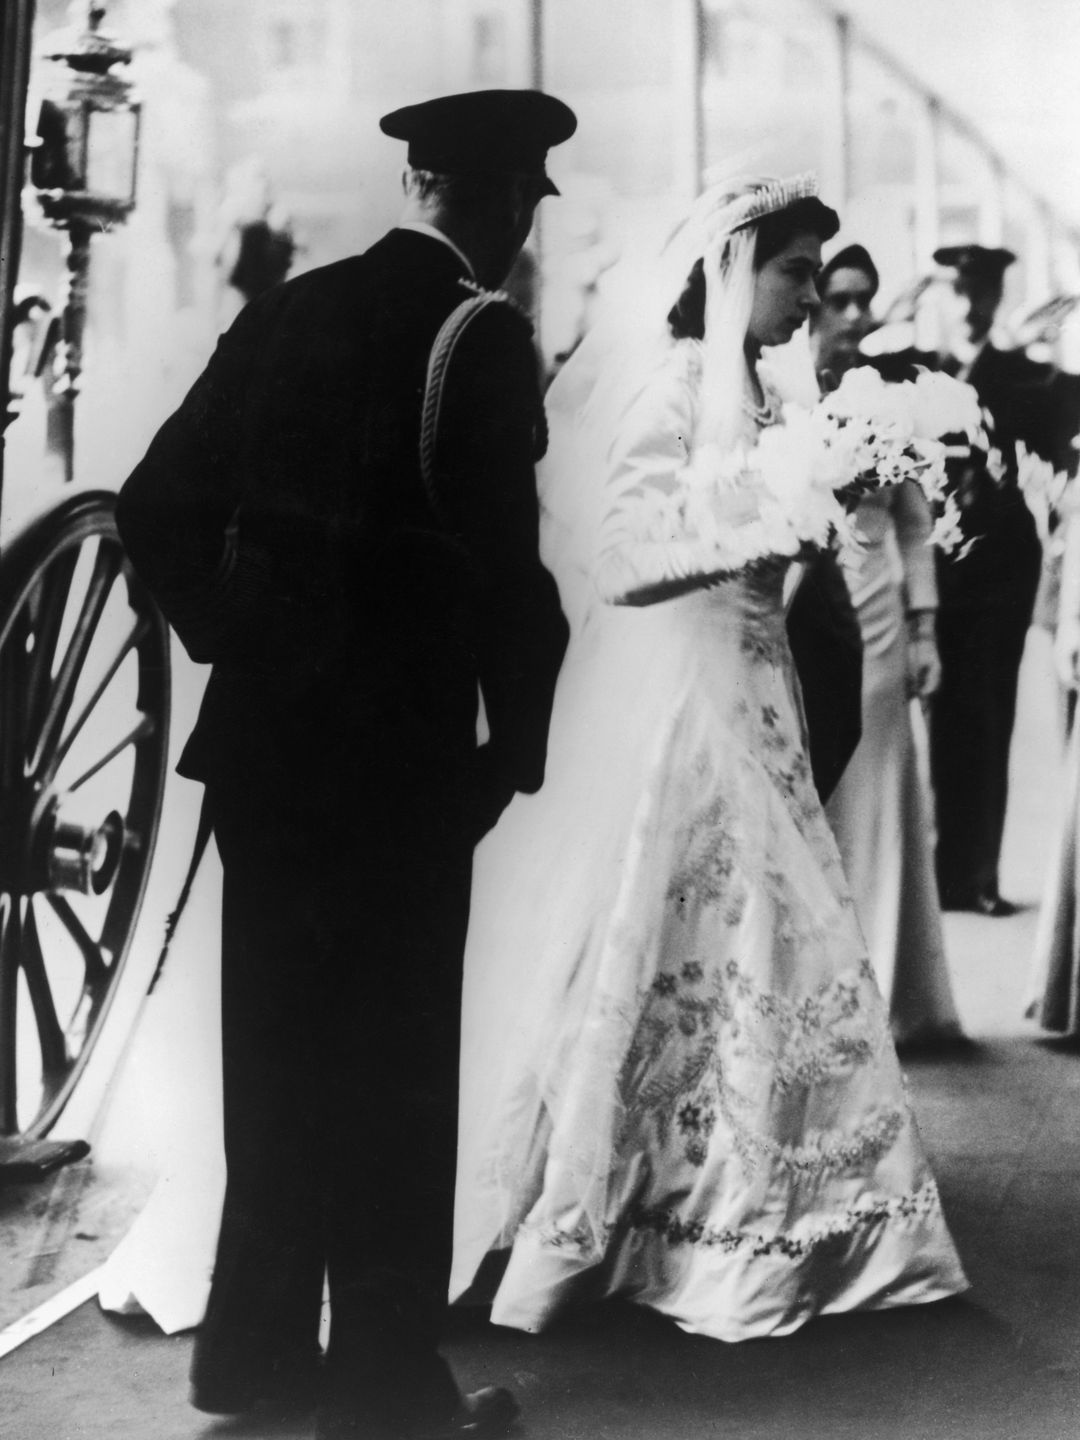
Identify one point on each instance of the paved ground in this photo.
(1000, 1364)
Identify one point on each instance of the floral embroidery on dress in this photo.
(773, 739)
(690, 1034)
(843, 1154)
(664, 1222)
(768, 648)
(708, 859)
(581, 1237)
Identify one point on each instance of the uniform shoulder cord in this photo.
(446, 341)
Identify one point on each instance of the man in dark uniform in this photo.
(350, 609)
(986, 596)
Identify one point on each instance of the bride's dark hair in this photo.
(806, 216)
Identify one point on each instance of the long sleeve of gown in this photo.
(650, 549)
(913, 522)
(1069, 597)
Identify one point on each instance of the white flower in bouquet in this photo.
(879, 408)
(943, 405)
(1045, 490)
(947, 534)
(800, 472)
(797, 486)
(1037, 477)
(894, 432)
(932, 475)
(807, 472)
(995, 465)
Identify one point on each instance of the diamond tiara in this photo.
(776, 195)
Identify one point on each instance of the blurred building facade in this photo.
(669, 94)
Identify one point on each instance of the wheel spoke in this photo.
(77, 629)
(97, 971)
(106, 569)
(10, 937)
(52, 595)
(51, 756)
(143, 728)
(13, 718)
(54, 1057)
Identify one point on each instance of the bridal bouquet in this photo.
(797, 486)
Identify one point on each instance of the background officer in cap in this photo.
(350, 610)
(986, 596)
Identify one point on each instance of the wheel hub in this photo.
(68, 850)
(84, 857)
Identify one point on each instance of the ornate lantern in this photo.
(83, 171)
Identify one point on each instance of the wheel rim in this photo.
(84, 703)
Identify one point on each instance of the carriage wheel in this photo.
(84, 707)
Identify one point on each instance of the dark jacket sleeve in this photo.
(494, 432)
(177, 510)
(1066, 412)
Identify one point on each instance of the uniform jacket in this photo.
(280, 519)
(1003, 566)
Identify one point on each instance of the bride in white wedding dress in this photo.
(678, 1081)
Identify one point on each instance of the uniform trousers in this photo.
(342, 940)
(971, 725)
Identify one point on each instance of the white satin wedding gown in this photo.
(678, 1080)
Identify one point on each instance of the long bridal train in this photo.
(162, 1266)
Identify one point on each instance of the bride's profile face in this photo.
(785, 292)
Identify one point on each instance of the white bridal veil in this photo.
(591, 394)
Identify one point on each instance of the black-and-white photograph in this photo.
(539, 770)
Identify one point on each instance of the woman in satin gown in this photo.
(679, 1084)
(1053, 998)
(878, 810)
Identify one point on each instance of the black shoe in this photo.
(981, 902)
(483, 1415)
(936, 1044)
(487, 1412)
